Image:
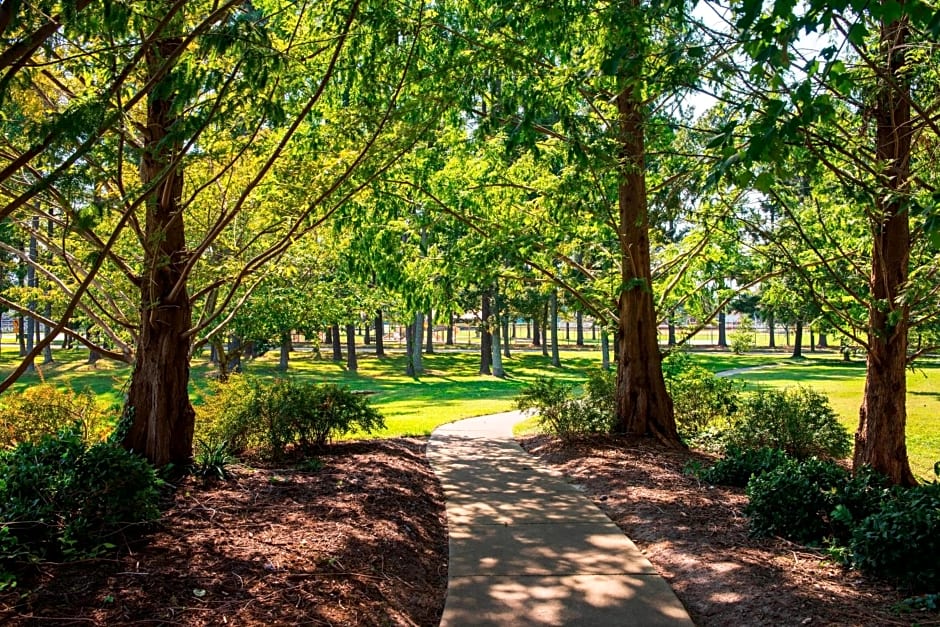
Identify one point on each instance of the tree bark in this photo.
(429, 340)
(553, 314)
(366, 335)
(671, 330)
(352, 363)
(880, 439)
(773, 331)
(379, 334)
(823, 340)
(536, 336)
(545, 329)
(722, 330)
(605, 350)
(162, 418)
(579, 329)
(486, 338)
(798, 340)
(449, 339)
(643, 405)
(285, 352)
(409, 350)
(328, 336)
(337, 341)
(418, 343)
(497, 337)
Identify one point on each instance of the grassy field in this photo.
(451, 388)
(843, 382)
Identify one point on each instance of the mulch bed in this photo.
(360, 541)
(697, 538)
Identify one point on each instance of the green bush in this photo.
(795, 499)
(901, 541)
(738, 465)
(703, 402)
(566, 417)
(797, 420)
(270, 416)
(44, 410)
(742, 338)
(63, 499)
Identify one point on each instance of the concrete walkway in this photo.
(526, 548)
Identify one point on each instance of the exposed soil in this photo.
(697, 538)
(361, 541)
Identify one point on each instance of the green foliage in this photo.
(212, 460)
(738, 465)
(44, 409)
(270, 416)
(63, 499)
(742, 338)
(794, 499)
(567, 417)
(901, 542)
(797, 420)
(703, 402)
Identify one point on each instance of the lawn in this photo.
(843, 382)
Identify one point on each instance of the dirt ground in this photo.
(360, 541)
(363, 541)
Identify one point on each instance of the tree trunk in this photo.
(409, 350)
(449, 339)
(798, 340)
(504, 321)
(429, 340)
(643, 405)
(880, 439)
(823, 340)
(418, 343)
(671, 339)
(337, 342)
(545, 329)
(536, 336)
(234, 359)
(498, 335)
(328, 336)
(158, 397)
(553, 314)
(812, 340)
(772, 330)
(32, 282)
(366, 336)
(568, 331)
(285, 352)
(486, 338)
(352, 363)
(379, 334)
(722, 330)
(579, 329)
(605, 350)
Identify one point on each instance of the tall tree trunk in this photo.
(544, 323)
(568, 331)
(605, 350)
(671, 340)
(21, 334)
(812, 340)
(771, 328)
(497, 337)
(643, 405)
(823, 340)
(285, 352)
(504, 322)
(379, 334)
(328, 336)
(409, 350)
(880, 439)
(536, 336)
(486, 338)
(722, 330)
(158, 397)
(429, 340)
(418, 343)
(798, 340)
(366, 335)
(449, 338)
(337, 342)
(579, 329)
(553, 314)
(352, 363)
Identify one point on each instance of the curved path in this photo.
(526, 548)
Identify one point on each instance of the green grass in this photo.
(843, 382)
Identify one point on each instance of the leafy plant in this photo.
(702, 401)
(738, 465)
(797, 420)
(901, 541)
(44, 409)
(567, 417)
(63, 499)
(212, 460)
(742, 338)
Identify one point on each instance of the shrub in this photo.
(794, 500)
(738, 465)
(702, 401)
(60, 498)
(565, 417)
(271, 416)
(742, 338)
(44, 410)
(901, 541)
(797, 420)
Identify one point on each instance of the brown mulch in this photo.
(696, 536)
(361, 541)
